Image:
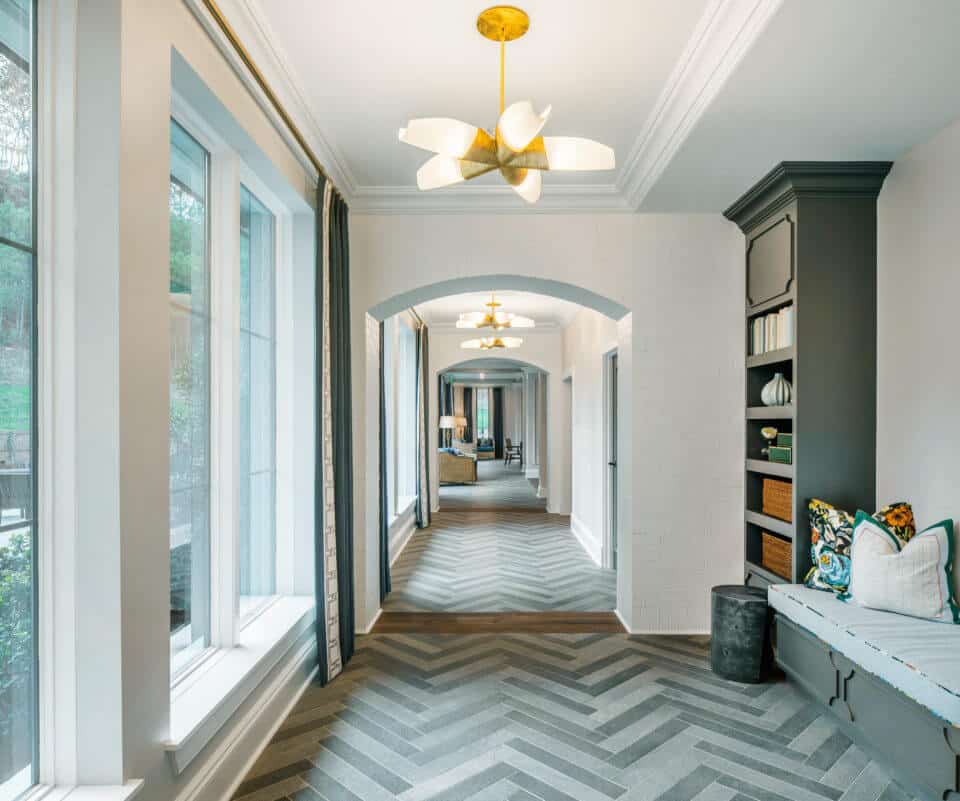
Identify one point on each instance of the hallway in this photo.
(498, 487)
(556, 718)
(494, 548)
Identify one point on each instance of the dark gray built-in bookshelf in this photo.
(811, 244)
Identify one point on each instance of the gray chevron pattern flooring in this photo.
(498, 487)
(498, 561)
(556, 718)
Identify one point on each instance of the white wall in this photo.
(682, 278)
(541, 348)
(585, 342)
(918, 283)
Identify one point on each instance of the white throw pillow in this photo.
(914, 579)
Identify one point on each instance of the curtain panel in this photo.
(468, 414)
(385, 584)
(333, 550)
(498, 422)
(423, 428)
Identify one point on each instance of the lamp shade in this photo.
(446, 421)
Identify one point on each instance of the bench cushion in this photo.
(918, 657)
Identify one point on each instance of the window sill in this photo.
(121, 792)
(405, 508)
(201, 705)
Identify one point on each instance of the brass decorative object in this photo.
(516, 148)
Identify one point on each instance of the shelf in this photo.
(771, 357)
(770, 412)
(772, 524)
(770, 468)
(773, 578)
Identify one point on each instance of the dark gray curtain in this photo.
(384, 518)
(318, 489)
(468, 413)
(342, 409)
(498, 422)
(423, 427)
(335, 243)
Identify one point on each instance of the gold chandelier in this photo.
(491, 343)
(497, 320)
(516, 148)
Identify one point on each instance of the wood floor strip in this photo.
(499, 622)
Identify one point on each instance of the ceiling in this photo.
(543, 309)
(365, 67)
(699, 98)
(861, 80)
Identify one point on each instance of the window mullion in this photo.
(225, 396)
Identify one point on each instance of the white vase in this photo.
(777, 392)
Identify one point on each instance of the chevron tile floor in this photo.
(497, 561)
(498, 487)
(556, 718)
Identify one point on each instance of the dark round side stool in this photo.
(740, 633)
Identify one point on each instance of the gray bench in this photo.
(893, 681)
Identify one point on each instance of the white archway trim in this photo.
(485, 283)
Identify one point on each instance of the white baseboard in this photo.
(531, 472)
(220, 775)
(658, 633)
(369, 627)
(590, 543)
(406, 525)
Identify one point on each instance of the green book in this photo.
(780, 455)
(785, 440)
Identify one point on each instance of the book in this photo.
(772, 331)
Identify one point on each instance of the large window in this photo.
(483, 413)
(400, 392)
(258, 430)
(189, 399)
(18, 536)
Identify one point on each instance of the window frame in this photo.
(227, 172)
(39, 538)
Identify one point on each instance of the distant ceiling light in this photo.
(516, 148)
(497, 320)
(490, 343)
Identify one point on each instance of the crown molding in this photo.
(260, 42)
(724, 33)
(487, 199)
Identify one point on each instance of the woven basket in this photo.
(776, 556)
(778, 499)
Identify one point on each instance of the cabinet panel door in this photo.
(770, 262)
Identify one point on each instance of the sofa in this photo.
(457, 468)
(892, 680)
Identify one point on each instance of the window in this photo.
(189, 400)
(400, 392)
(258, 429)
(483, 413)
(18, 584)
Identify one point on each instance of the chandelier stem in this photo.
(503, 35)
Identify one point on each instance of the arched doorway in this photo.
(558, 439)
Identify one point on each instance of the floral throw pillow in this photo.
(831, 534)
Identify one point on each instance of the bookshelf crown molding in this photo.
(790, 180)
